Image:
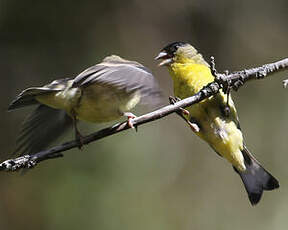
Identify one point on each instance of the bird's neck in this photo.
(191, 58)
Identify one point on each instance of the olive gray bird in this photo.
(102, 93)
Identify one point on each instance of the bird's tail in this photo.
(45, 124)
(27, 97)
(255, 178)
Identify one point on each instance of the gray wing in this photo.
(125, 75)
(43, 126)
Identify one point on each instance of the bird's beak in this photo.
(165, 57)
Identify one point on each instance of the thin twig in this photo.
(222, 81)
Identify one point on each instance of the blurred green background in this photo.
(162, 177)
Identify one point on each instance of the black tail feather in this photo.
(255, 178)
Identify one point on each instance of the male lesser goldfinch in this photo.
(101, 93)
(209, 119)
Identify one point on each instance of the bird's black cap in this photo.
(172, 47)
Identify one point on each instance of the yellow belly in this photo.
(220, 132)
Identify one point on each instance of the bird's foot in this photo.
(195, 128)
(130, 117)
(227, 107)
(173, 100)
(184, 111)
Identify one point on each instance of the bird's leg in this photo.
(227, 107)
(226, 87)
(173, 100)
(193, 125)
(228, 90)
(182, 112)
(130, 117)
(78, 135)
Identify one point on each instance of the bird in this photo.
(210, 119)
(104, 92)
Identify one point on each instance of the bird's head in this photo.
(179, 52)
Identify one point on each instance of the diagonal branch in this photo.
(222, 81)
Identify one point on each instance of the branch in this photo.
(237, 79)
(222, 81)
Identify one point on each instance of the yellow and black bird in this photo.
(209, 119)
(102, 93)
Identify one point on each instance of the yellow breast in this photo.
(189, 78)
(219, 131)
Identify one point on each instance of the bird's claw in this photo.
(184, 111)
(181, 112)
(130, 117)
(173, 100)
(195, 128)
(130, 123)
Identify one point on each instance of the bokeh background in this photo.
(162, 177)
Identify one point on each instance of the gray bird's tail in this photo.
(45, 124)
(27, 97)
(255, 178)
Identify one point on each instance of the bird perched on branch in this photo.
(102, 93)
(210, 120)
